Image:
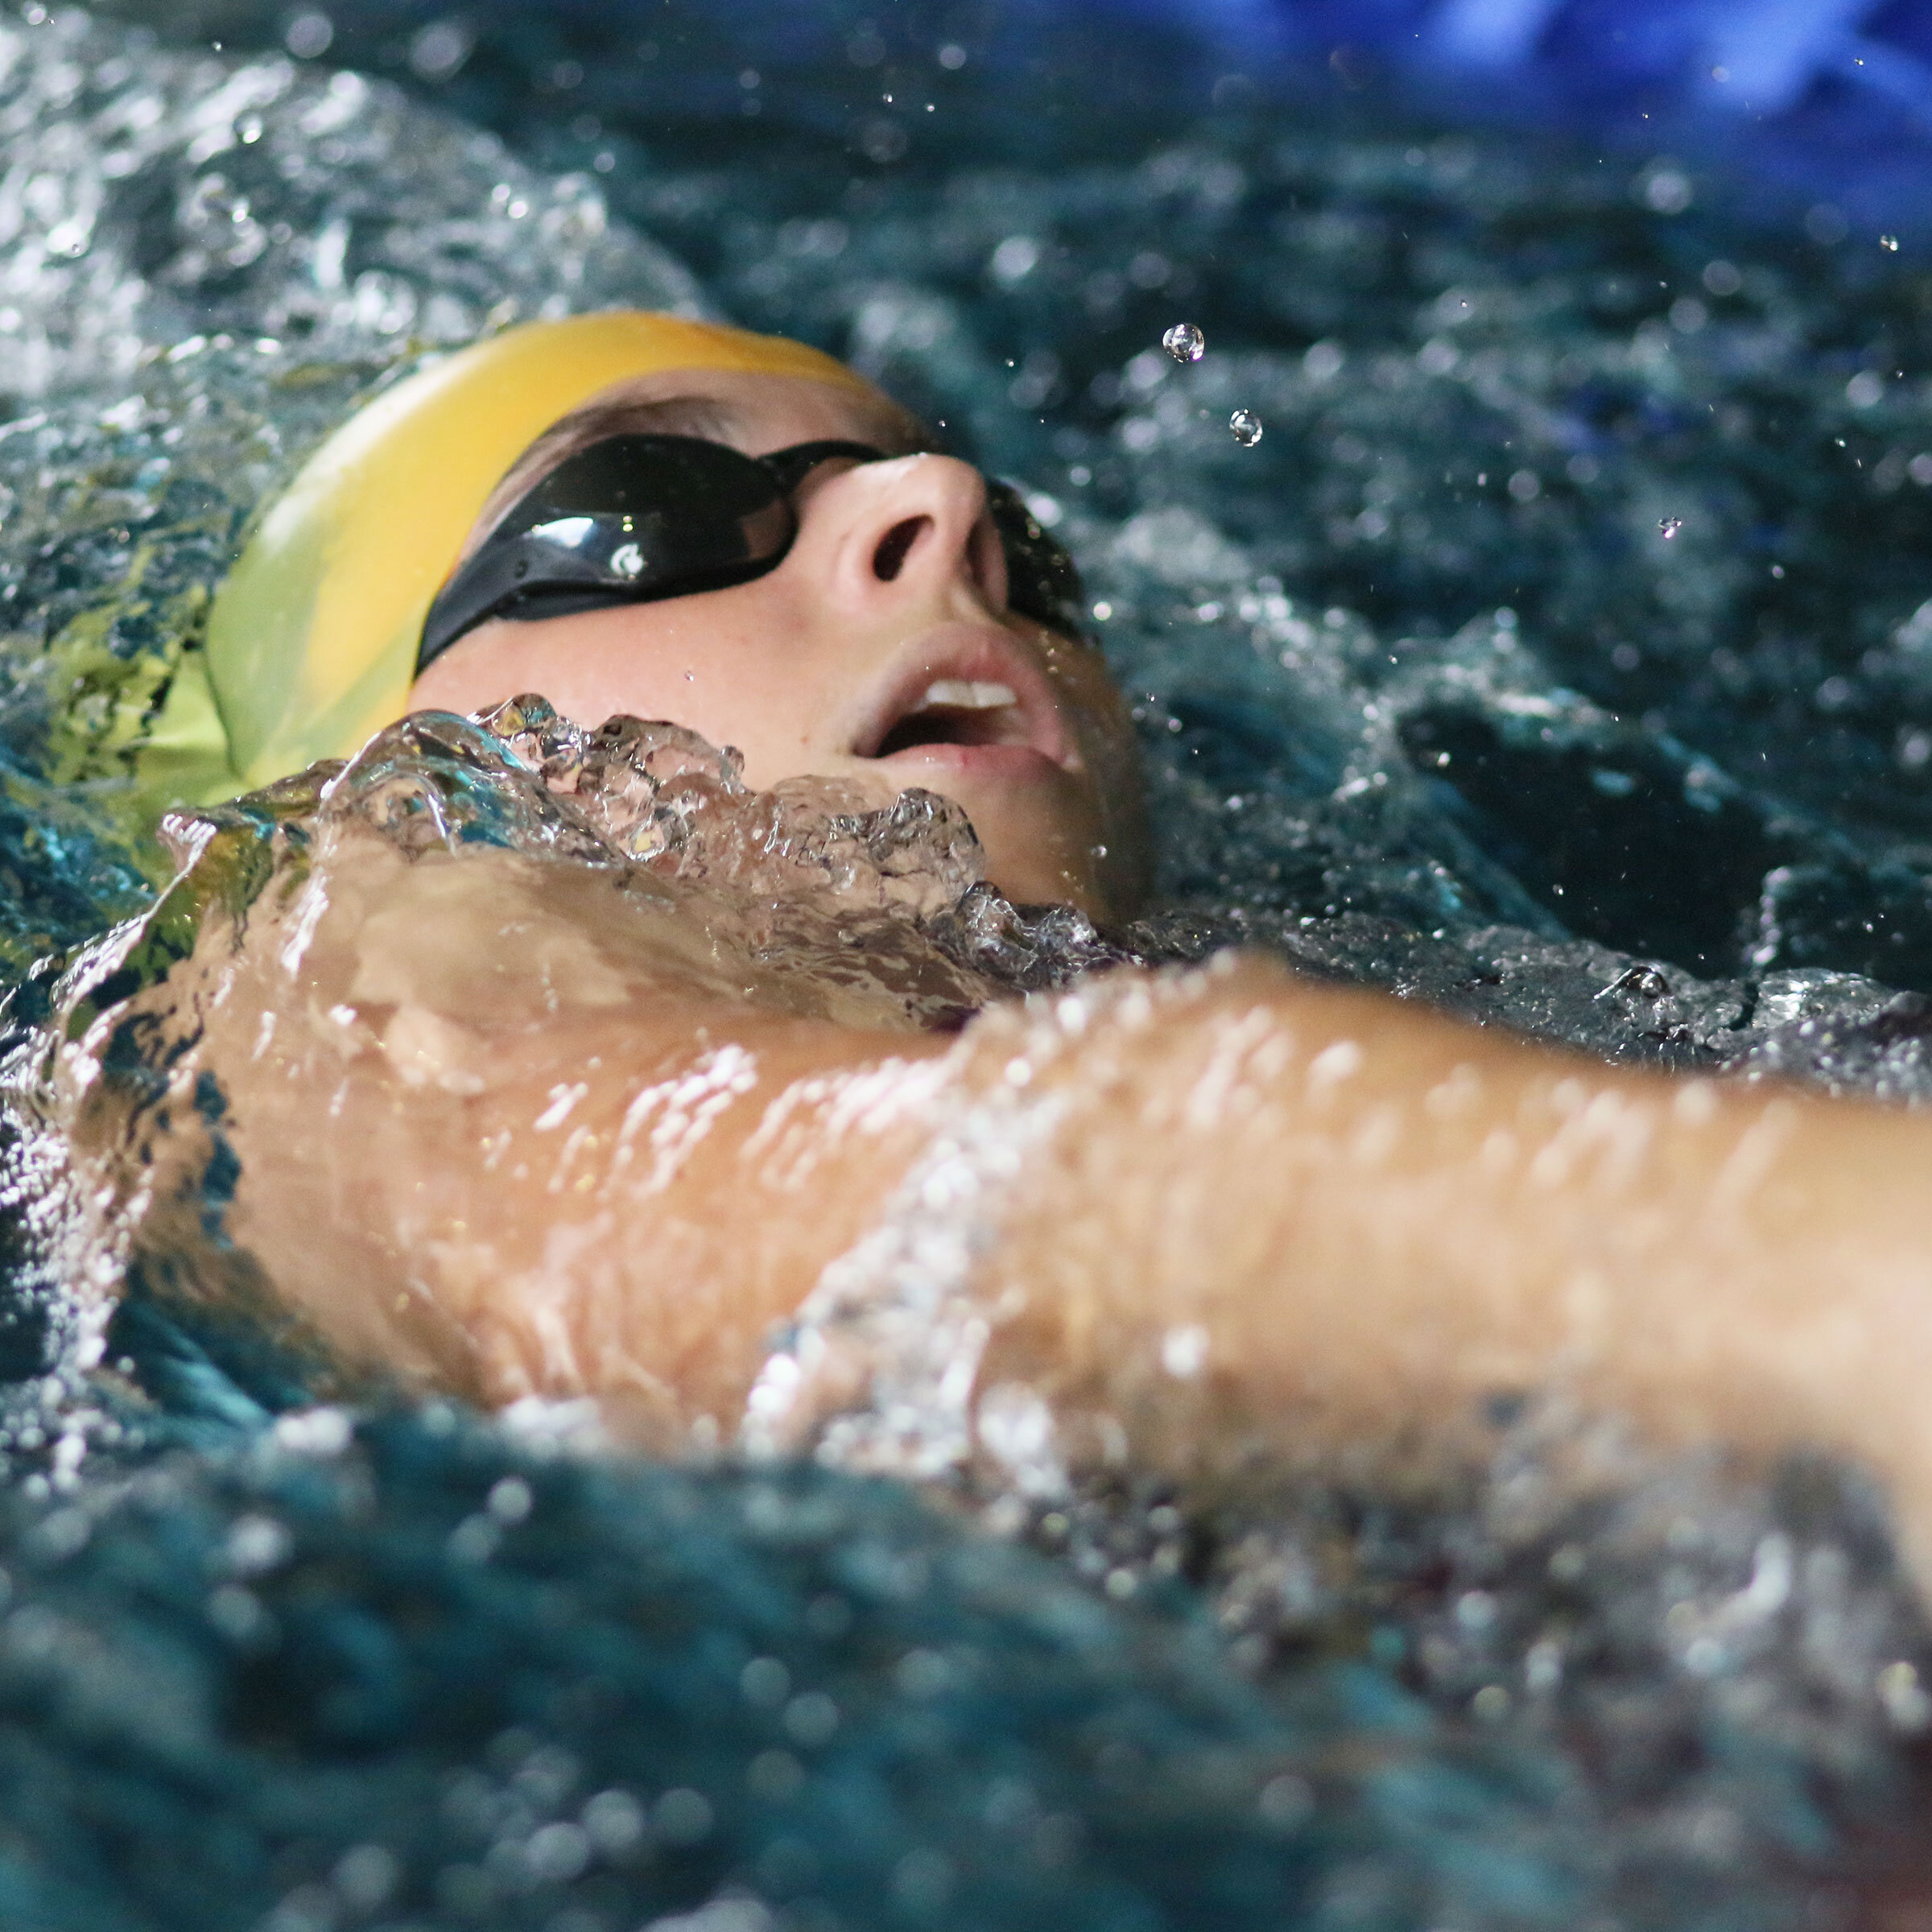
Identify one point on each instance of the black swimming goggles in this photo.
(633, 519)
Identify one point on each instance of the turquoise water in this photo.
(1555, 655)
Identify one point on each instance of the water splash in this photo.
(176, 198)
(659, 795)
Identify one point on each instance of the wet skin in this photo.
(880, 652)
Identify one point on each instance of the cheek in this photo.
(1111, 752)
(698, 662)
(1101, 721)
(591, 666)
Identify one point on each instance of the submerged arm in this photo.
(559, 1153)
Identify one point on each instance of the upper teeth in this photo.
(957, 694)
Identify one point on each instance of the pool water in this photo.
(1560, 652)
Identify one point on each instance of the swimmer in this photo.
(512, 1127)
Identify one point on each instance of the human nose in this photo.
(889, 533)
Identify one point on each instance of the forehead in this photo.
(759, 414)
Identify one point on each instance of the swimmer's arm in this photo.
(1318, 1221)
(628, 1210)
(1274, 1214)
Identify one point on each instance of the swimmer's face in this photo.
(881, 651)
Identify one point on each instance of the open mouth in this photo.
(958, 710)
(963, 689)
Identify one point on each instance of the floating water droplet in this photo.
(1246, 427)
(1889, 244)
(1669, 527)
(1185, 343)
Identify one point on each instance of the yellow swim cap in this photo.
(311, 639)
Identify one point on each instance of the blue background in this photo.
(1796, 101)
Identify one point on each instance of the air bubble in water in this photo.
(1185, 343)
(1246, 427)
(1669, 527)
